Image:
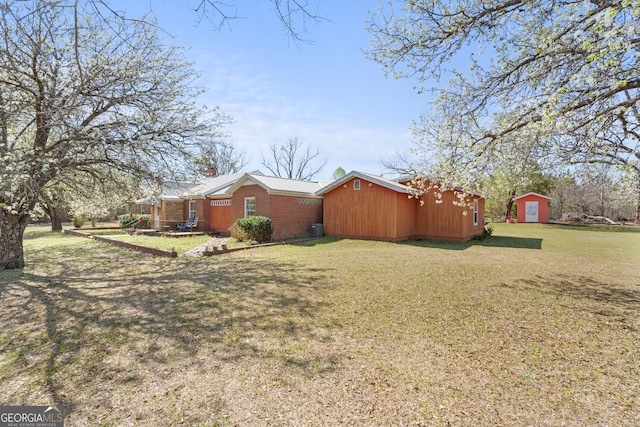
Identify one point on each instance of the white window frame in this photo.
(356, 184)
(475, 212)
(192, 209)
(247, 211)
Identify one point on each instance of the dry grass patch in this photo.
(537, 326)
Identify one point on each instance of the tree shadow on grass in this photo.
(493, 241)
(596, 297)
(113, 305)
(595, 227)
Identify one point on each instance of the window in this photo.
(249, 206)
(356, 184)
(475, 211)
(192, 208)
(221, 203)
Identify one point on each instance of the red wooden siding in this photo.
(446, 220)
(219, 218)
(377, 212)
(370, 212)
(543, 204)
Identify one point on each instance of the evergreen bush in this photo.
(257, 228)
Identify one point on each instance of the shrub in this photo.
(237, 233)
(257, 228)
(78, 221)
(136, 221)
(486, 232)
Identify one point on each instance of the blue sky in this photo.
(326, 93)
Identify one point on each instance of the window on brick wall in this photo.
(192, 208)
(249, 206)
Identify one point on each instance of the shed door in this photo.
(531, 211)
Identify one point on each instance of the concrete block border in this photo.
(210, 251)
(126, 245)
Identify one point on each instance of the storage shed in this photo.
(532, 207)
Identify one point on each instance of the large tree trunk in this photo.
(12, 228)
(638, 203)
(56, 217)
(509, 205)
(52, 206)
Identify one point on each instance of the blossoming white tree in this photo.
(82, 96)
(564, 75)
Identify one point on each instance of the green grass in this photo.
(538, 325)
(179, 244)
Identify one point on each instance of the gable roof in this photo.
(275, 185)
(376, 179)
(211, 184)
(532, 194)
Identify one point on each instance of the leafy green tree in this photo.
(565, 74)
(339, 173)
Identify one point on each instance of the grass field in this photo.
(538, 326)
(179, 244)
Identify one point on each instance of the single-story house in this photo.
(358, 205)
(362, 205)
(219, 200)
(532, 207)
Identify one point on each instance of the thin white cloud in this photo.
(265, 111)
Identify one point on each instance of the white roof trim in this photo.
(250, 179)
(381, 181)
(532, 194)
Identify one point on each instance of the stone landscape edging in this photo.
(226, 250)
(174, 254)
(127, 245)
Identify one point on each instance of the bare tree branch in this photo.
(293, 160)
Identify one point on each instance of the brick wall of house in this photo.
(143, 208)
(263, 202)
(172, 214)
(292, 216)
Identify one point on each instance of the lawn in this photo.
(178, 244)
(538, 325)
